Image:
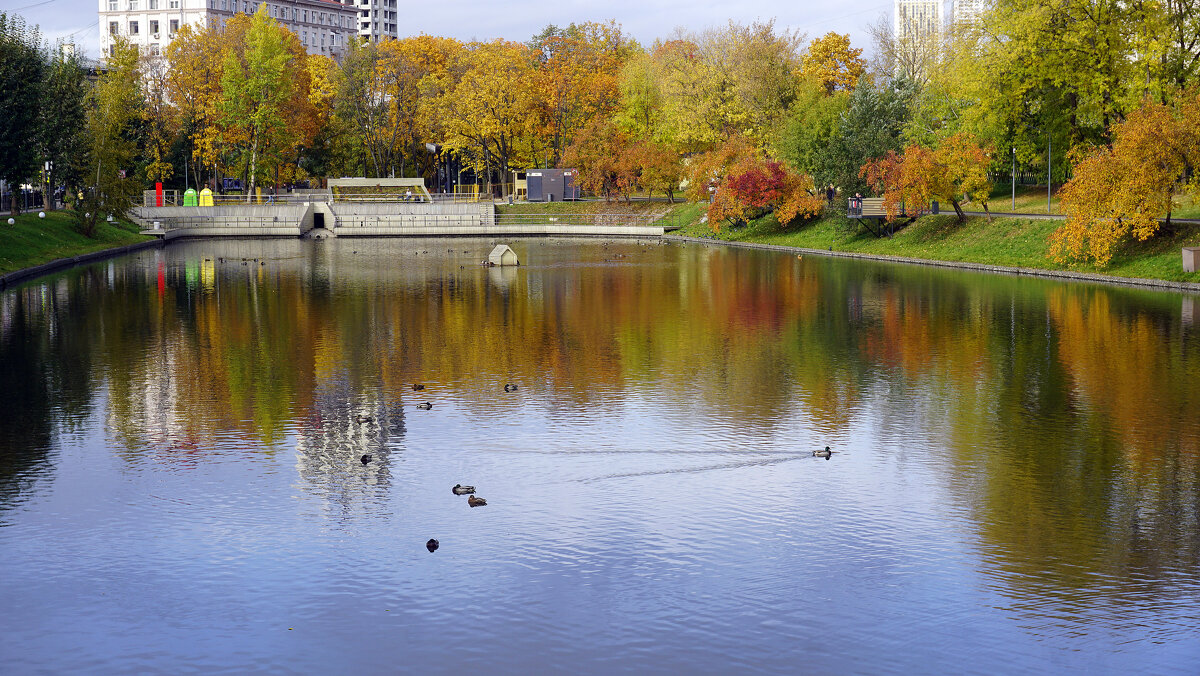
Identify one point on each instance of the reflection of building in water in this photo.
(342, 426)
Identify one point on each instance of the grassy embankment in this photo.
(1010, 241)
(33, 241)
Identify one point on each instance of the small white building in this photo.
(502, 255)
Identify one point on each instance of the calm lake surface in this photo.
(1015, 485)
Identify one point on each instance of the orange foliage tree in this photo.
(576, 79)
(909, 182)
(757, 186)
(599, 155)
(1125, 188)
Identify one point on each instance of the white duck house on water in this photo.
(502, 255)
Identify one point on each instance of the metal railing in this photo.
(614, 219)
(456, 197)
(179, 222)
(380, 197)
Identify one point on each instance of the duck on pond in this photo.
(823, 454)
(476, 502)
(432, 545)
(366, 458)
(510, 388)
(460, 489)
(425, 407)
(360, 418)
(417, 387)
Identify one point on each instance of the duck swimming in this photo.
(460, 489)
(425, 407)
(360, 418)
(823, 454)
(476, 502)
(366, 458)
(418, 387)
(510, 388)
(432, 545)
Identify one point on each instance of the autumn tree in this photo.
(659, 167)
(488, 113)
(831, 62)
(599, 156)
(756, 186)
(920, 175)
(639, 108)
(737, 80)
(161, 120)
(576, 78)
(257, 87)
(114, 113)
(1122, 190)
(195, 66)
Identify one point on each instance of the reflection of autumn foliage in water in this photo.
(1120, 369)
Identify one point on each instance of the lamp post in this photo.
(1049, 161)
(1014, 180)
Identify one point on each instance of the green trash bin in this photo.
(189, 198)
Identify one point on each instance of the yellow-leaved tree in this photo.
(488, 114)
(1123, 189)
(831, 62)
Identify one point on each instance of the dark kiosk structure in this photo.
(551, 185)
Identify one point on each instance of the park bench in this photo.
(867, 209)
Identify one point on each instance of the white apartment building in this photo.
(919, 21)
(970, 11)
(377, 19)
(323, 26)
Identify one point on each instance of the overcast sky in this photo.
(520, 19)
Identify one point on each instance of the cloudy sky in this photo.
(520, 19)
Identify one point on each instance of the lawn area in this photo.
(1012, 241)
(33, 241)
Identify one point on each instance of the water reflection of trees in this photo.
(1068, 411)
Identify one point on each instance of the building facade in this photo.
(323, 26)
(970, 11)
(919, 21)
(377, 19)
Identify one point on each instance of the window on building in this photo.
(154, 27)
(113, 27)
(154, 50)
(112, 5)
(133, 28)
(172, 4)
(225, 5)
(174, 26)
(151, 4)
(304, 38)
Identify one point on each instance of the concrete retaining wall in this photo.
(230, 231)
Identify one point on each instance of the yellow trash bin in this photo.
(206, 198)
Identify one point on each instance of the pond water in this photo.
(1015, 483)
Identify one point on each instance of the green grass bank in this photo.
(1009, 241)
(34, 241)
